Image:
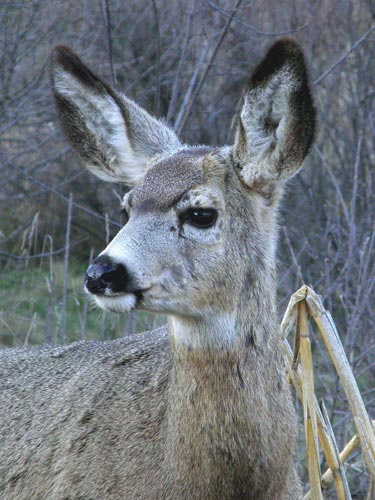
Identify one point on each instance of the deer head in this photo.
(201, 220)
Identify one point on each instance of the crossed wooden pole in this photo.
(303, 304)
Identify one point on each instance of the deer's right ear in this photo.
(114, 137)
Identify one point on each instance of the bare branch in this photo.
(66, 269)
(181, 122)
(344, 56)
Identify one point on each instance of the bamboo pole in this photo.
(365, 427)
(331, 452)
(308, 397)
(336, 351)
(350, 447)
(347, 451)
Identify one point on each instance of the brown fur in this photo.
(199, 409)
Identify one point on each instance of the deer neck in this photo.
(232, 333)
(219, 390)
(221, 357)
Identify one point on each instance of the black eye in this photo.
(203, 218)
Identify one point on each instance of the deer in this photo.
(199, 408)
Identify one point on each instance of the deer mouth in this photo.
(120, 302)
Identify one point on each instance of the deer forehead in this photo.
(169, 179)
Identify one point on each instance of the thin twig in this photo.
(208, 67)
(253, 28)
(335, 184)
(107, 17)
(85, 305)
(31, 326)
(181, 63)
(187, 98)
(131, 322)
(344, 56)
(157, 77)
(293, 255)
(66, 268)
(352, 214)
(41, 255)
(62, 196)
(107, 231)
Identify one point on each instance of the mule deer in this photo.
(199, 409)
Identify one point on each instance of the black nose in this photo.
(104, 274)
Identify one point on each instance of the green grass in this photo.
(31, 307)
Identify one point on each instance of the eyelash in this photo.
(202, 218)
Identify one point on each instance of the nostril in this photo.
(116, 278)
(94, 286)
(104, 274)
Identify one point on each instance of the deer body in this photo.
(199, 409)
(83, 431)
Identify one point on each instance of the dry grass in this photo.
(303, 305)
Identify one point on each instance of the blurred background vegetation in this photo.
(189, 62)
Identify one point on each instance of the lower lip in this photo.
(117, 303)
(113, 295)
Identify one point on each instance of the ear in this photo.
(114, 137)
(277, 122)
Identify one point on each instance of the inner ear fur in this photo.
(277, 122)
(114, 137)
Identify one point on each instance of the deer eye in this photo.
(203, 218)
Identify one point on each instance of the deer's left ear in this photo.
(277, 123)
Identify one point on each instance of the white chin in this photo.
(118, 303)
